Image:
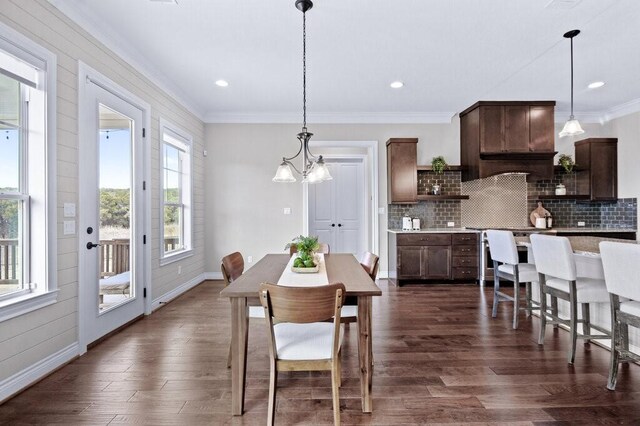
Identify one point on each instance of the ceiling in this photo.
(449, 54)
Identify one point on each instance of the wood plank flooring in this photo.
(439, 358)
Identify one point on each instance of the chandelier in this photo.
(314, 169)
(572, 126)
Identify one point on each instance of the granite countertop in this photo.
(435, 231)
(582, 245)
(580, 229)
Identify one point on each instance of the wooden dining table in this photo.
(341, 268)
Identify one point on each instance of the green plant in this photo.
(438, 165)
(306, 247)
(566, 162)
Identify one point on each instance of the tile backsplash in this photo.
(507, 201)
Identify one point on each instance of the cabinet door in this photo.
(437, 261)
(604, 171)
(491, 128)
(402, 169)
(516, 130)
(541, 129)
(410, 264)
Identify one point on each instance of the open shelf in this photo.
(429, 197)
(564, 197)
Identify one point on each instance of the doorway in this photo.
(112, 208)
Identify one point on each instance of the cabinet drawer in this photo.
(424, 239)
(462, 273)
(465, 250)
(469, 239)
(465, 261)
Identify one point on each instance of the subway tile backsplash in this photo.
(507, 201)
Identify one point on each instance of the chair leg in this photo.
(273, 382)
(554, 309)
(339, 368)
(335, 385)
(543, 313)
(586, 321)
(615, 336)
(573, 323)
(516, 302)
(496, 289)
(528, 301)
(229, 357)
(624, 336)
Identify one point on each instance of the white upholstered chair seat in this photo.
(310, 341)
(256, 312)
(630, 307)
(526, 272)
(589, 290)
(349, 311)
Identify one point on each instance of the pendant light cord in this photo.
(304, 71)
(571, 77)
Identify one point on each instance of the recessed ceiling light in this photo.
(596, 84)
(397, 84)
(222, 83)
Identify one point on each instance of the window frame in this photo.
(38, 192)
(185, 191)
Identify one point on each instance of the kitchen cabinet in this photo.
(597, 171)
(433, 256)
(500, 137)
(402, 170)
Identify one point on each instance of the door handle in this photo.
(340, 225)
(333, 225)
(91, 245)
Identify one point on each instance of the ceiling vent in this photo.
(562, 4)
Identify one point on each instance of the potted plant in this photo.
(566, 162)
(438, 166)
(305, 259)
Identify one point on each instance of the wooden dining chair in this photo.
(558, 278)
(369, 263)
(232, 268)
(621, 263)
(300, 338)
(506, 265)
(324, 249)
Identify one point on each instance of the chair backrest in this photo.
(621, 263)
(302, 304)
(232, 267)
(503, 246)
(554, 256)
(324, 249)
(369, 262)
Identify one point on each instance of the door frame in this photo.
(371, 183)
(87, 73)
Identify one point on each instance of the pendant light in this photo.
(572, 126)
(314, 169)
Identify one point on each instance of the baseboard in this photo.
(170, 295)
(212, 275)
(383, 274)
(32, 374)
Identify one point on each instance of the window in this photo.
(176, 212)
(27, 180)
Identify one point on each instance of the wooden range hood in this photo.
(499, 137)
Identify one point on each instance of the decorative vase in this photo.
(561, 189)
(435, 189)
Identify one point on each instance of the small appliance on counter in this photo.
(407, 224)
(416, 224)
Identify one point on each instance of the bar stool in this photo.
(621, 265)
(506, 265)
(558, 278)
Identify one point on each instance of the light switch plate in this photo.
(380, 210)
(69, 227)
(287, 210)
(69, 210)
(451, 224)
(581, 223)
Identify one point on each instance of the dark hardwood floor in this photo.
(439, 358)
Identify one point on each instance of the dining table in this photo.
(340, 268)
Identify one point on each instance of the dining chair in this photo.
(232, 268)
(558, 278)
(369, 263)
(506, 264)
(300, 338)
(621, 263)
(324, 249)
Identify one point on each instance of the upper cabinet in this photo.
(402, 170)
(500, 137)
(597, 168)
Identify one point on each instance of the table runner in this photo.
(294, 279)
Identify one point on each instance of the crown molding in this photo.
(626, 108)
(332, 118)
(122, 48)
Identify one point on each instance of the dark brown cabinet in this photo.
(597, 168)
(499, 137)
(410, 262)
(402, 170)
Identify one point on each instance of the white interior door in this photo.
(111, 212)
(337, 207)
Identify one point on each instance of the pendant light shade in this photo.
(572, 126)
(313, 168)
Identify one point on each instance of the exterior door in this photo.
(337, 207)
(111, 213)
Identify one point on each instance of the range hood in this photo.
(498, 137)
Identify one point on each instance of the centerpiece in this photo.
(305, 261)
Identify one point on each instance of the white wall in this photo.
(30, 338)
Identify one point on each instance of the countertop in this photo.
(582, 229)
(577, 230)
(436, 231)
